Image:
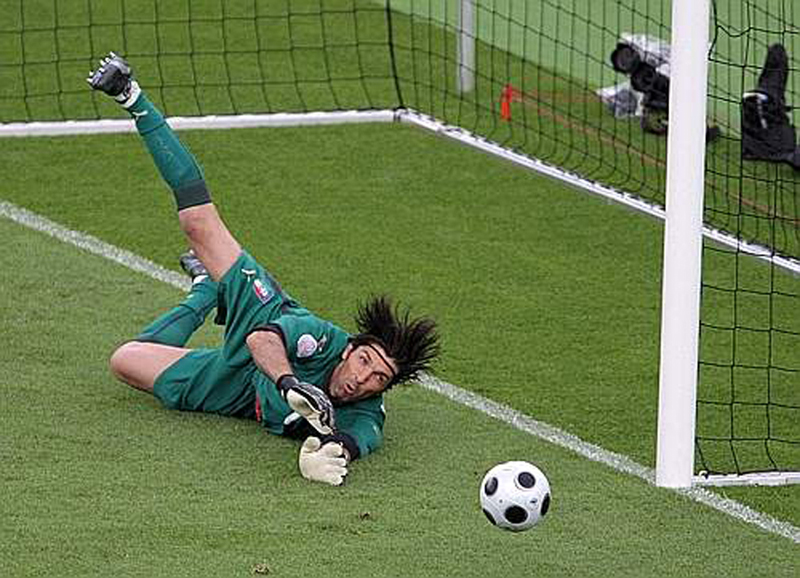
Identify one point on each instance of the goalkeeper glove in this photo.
(309, 401)
(323, 462)
(114, 77)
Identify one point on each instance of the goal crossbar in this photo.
(80, 127)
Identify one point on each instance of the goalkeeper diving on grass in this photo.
(299, 375)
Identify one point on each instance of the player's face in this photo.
(364, 371)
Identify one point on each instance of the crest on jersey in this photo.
(306, 345)
(263, 292)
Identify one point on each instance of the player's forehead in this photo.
(380, 360)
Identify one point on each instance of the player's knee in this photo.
(123, 362)
(195, 222)
(139, 364)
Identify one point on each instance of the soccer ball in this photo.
(515, 495)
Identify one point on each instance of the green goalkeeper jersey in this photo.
(314, 347)
(226, 381)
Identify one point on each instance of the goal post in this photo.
(683, 237)
(465, 77)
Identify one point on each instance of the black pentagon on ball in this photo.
(516, 514)
(489, 516)
(545, 504)
(526, 480)
(490, 487)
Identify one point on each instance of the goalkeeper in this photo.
(298, 375)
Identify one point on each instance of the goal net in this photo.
(532, 80)
(749, 382)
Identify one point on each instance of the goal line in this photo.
(403, 115)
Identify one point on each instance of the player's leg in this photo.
(207, 234)
(139, 364)
(177, 325)
(209, 238)
(187, 379)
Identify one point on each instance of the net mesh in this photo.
(197, 57)
(749, 394)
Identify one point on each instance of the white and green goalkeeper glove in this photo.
(323, 462)
(309, 401)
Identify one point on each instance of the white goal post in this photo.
(680, 312)
(683, 247)
(465, 73)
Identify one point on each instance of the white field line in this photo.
(614, 460)
(491, 408)
(93, 245)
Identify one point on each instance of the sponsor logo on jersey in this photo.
(263, 292)
(306, 345)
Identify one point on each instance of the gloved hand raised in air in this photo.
(309, 401)
(115, 77)
(323, 462)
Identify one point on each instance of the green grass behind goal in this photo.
(539, 310)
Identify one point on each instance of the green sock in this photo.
(174, 161)
(177, 325)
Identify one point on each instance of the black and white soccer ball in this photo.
(515, 495)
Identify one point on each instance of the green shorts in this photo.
(203, 381)
(219, 380)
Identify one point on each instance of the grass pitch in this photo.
(536, 311)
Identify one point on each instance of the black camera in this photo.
(645, 78)
(767, 130)
(654, 86)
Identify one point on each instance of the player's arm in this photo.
(269, 354)
(323, 456)
(361, 427)
(326, 458)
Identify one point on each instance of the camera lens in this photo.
(625, 58)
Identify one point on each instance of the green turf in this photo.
(549, 299)
(548, 317)
(495, 251)
(99, 480)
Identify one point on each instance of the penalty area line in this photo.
(506, 414)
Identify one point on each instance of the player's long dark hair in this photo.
(413, 343)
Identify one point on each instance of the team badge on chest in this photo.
(306, 345)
